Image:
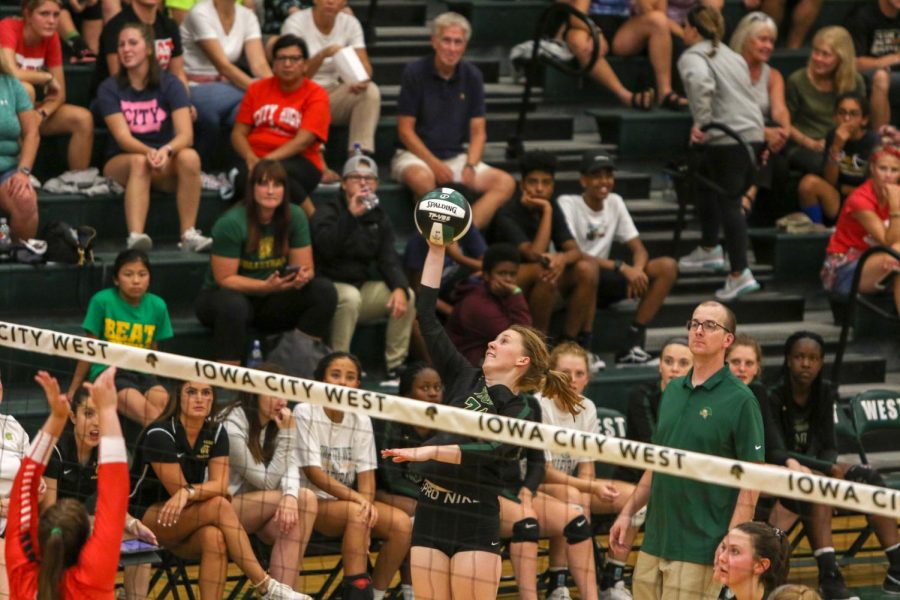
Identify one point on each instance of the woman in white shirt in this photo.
(264, 478)
(215, 34)
(13, 444)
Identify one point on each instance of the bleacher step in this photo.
(794, 256)
(389, 69)
(391, 12)
(630, 130)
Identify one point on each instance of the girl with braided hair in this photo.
(753, 560)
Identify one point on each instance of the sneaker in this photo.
(276, 590)
(35, 182)
(636, 357)
(595, 363)
(560, 593)
(832, 587)
(703, 260)
(735, 287)
(616, 592)
(194, 241)
(139, 241)
(78, 51)
(209, 181)
(392, 377)
(891, 584)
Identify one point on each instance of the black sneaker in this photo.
(392, 377)
(891, 583)
(832, 587)
(78, 51)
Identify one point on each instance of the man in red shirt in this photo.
(284, 118)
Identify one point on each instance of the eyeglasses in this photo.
(708, 326)
(364, 178)
(848, 113)
(293, 58)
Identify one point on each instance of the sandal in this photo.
(643, 100)
(672, 101)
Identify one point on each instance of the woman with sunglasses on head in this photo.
(456, 534)
(752, 560)
(180, 492)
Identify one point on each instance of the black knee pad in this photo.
(577, 530)
(358, 587)
(526, 530)
(864, 474)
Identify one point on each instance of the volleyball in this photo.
(443, 216)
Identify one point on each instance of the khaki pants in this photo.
(660, 579)
(361, 111)
(358, 305)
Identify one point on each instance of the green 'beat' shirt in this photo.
(686, 519)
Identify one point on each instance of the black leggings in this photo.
(727, 165)
(230, 314)
(303, 178)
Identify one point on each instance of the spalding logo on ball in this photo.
(443, 216)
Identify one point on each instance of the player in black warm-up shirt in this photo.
(456, 529)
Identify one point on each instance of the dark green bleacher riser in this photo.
(499, 22)
(793, 256)
(630, 129)
(387, 70)
(392, 14)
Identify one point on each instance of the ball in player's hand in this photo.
(443, 216)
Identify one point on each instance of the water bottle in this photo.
(5, 239)
(369, 200)
(256, 355)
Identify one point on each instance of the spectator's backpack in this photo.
(297, 352)
(69, 245)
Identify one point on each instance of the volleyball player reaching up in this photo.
(57, 555)
(456, 534)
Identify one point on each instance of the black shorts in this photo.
(135, 380)
(451, 523)
(91, 13)
(609, 25)
(613, 287)
(765, 505)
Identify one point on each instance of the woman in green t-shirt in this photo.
(127, 313)
(261, 272)
(19, 140)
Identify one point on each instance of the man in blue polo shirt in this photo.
(441, 107)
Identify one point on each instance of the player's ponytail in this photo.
(62, 532)
(540, 377)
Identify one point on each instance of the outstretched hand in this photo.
(103, 390)
(58, 402)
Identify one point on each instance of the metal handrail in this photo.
(851, 308)
(515, 147)
(369, 31)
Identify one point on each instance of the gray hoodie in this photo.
(719, 89)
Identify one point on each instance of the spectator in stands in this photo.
(327, 30)
(573, 480)
(148, 114)
(671, 557)
(284, 118)
(19, 124)
(76, 18)
(717, 79)
(179, 9)
(870, 217)
(264, 478)
(490, 306)
(32, 48)
(210, 60)
(72, 473)
(752, 560)
(803, 16)
(441, 107)
(180, 467)
(744, 358)
(167, 46)
(59, 550)
(13, 446)
(845, 160)
(597, 218)
(261, 272)
(554, 264)
(754, 39)
(623, 32)
(337, 462)
(677, 10)
(350, 237)
(875, 28)
(803, 403)
(398, 485)
(813, 90)
(127, 313)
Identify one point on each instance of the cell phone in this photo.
(286, 270)
(137, 546)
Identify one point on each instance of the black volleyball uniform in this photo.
(73, 479)
(392, 477)
(166, 442)
(458, 509)
(528, 471)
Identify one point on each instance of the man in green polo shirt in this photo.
(710, 411)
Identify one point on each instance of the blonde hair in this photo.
(793, 591)
(451, 19)
(840, 43)
(539, 376)
(709, 23)
(570, 349)
(749, 27)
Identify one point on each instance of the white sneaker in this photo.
(703, 260)
(194, 241)
(560, 593)
(616, 592)
(735, 287)
(35, 182)
(636, 357)
(276, 590)
(139, 241)
(595, 363)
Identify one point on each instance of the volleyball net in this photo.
(27, 343)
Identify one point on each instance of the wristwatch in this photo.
(617, 265)
(24, 170)
(190, 490)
